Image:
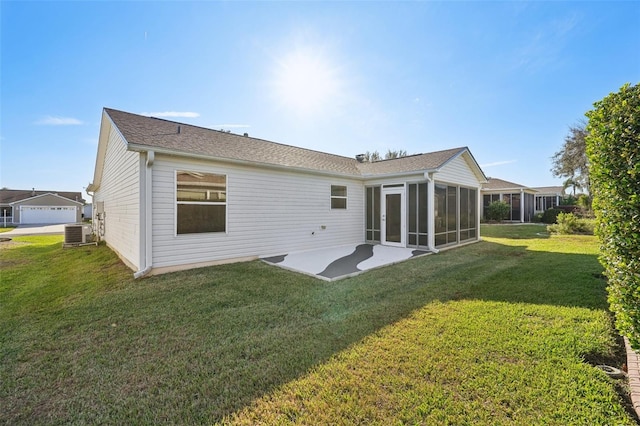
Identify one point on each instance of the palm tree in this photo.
(571, 182)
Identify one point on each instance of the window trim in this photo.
(207, 203)
(339, 197)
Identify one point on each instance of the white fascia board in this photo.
(44, 195)
(106, 125)
(398, 174)
(515, 189)
(103, 139)
(362, 177)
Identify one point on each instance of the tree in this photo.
(571, 161)
(375, 155)
(613, 149)
(370, 157)
(395, 154)
(571, 183)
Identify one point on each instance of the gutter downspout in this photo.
(431, 220)
(146, 217)
(479, 211)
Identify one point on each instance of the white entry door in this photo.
(393, 217)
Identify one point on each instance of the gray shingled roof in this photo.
(429, 161)
(549, 189)
(495, 184)
(159, 134)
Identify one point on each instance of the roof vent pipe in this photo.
(178, 129)
(360, 158)
(246, 134)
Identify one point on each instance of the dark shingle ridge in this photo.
(188, 139)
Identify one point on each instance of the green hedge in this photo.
(550, 216)
(613, 149)
(498, 211)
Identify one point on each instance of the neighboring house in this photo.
(87, 211)
(525, 202)
(548, 197)
(170, 196)
(23, 207)
(520, 198)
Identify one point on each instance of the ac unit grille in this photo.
(77, 234)
(73, 234)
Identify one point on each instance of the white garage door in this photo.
(29, 214)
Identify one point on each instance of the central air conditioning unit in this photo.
(77, 234)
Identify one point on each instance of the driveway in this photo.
(35, 230)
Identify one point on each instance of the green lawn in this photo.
(499, 332)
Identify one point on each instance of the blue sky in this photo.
(506, 79)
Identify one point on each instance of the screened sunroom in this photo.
(424, 215)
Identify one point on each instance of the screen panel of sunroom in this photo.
(373, 214)
(455, 214)
(418, 215)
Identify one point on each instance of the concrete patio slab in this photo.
(335, 263)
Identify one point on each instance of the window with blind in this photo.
(201, 202)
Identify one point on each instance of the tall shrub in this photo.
(498, 211)
(550, 215)
(613, 149)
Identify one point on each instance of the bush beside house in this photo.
(613, 148)
(550, 216)
(498, 211)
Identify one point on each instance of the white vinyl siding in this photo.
(269, 212)
(458, 172)
(120, 192)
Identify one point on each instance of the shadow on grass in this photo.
(196, 346)
(515, 231)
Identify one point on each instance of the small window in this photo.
(338, 197)
(201, 202)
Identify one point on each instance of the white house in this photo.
(519, 197)
(27, 207)
(548, 197)
(169, 196)
(525, 202)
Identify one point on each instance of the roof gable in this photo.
(426, 162)
(47, 194)
(8, 196)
